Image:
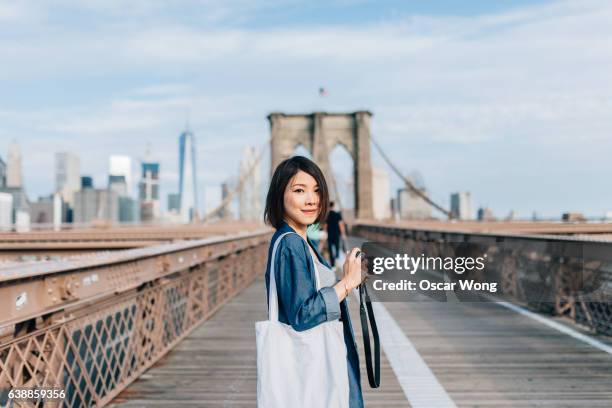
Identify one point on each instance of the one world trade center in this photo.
(188, 186)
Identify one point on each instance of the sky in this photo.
(509, 100)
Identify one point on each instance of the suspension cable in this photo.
(241, 183)
(244, 177)
(409, 183)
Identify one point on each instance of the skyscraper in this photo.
(86, 182)
(173, 203)
(128, 207)
(188, 186)
(118, 185)
(148, 192)
(20, 202)
(122, 166)
(2, 173)
(92, 204)
(461, 205)
(6, 211)
(67, 175)
(13, 170)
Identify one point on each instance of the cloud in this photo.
(16, 12)
(457, 89)
(162, 90)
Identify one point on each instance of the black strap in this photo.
(364, 302)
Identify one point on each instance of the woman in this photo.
(298, 197)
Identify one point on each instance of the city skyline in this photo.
(121, 171)
(212, 192)
(523, 111)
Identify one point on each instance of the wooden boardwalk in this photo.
(487, 356)
(483, 355)
(215, 366)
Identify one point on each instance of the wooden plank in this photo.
(216, 365)
(486, 355)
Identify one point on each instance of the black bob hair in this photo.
(274, 213)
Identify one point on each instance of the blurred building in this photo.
(2, 173)
(485, 214)
(22, 221)
(226, 212)
(41, 212)
(58, 209)
(461, 205)
(395, 208)
(381, 207)
(13, 167)
(86, 182)
(249, 198)
(92, 204)
(21, 204)
(129, 210)
(6, 211)
(188, 186)
(174, 204)
(121, 166)
(573, 217)
(148, 211)
(411, 205)
(148, 192)
(118, 185)
(67, 175)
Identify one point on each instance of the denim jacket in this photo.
(302, 306)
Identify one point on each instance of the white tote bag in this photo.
(299, 369)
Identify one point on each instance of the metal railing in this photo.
(571, 276)
(92, 326)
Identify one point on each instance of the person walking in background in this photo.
(336, 229)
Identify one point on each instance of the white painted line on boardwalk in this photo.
(557, 326)
(420, 385)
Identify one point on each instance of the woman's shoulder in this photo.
(290, 242)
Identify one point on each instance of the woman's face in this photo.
(301, 199)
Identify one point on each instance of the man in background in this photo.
(336, 229)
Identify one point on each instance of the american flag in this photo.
(322, 91)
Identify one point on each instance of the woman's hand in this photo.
(352, 269)
(352, 274)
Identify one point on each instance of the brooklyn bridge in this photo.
(164, 315)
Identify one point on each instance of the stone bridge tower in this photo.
(319, 133)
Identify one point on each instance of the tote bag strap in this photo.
(367, 319)
(273, 296)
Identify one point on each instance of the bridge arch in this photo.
(319, 133)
